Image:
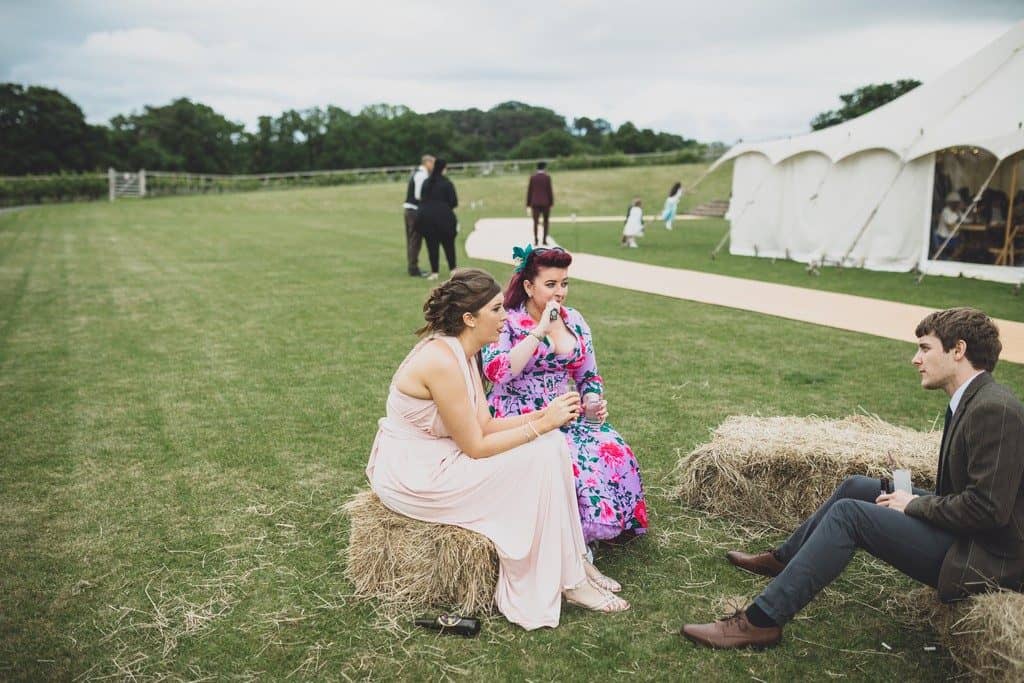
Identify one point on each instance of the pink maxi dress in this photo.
(523, 500)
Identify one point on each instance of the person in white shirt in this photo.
(948, 220)
(413, 191)
(634, 226)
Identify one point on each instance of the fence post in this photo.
(111, 179)
(142, 182)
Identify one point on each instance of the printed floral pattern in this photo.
(608, 483)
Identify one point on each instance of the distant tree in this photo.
(385, 111)
(713, 150)
(550, 143)
(183, 135)
(631, 140)
(583, 127)
(258, 147)
(862, 100)
(42, 131)
(594, 133)
(503, 126)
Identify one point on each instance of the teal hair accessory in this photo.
(520, 256)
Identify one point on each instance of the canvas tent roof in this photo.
(979, 103)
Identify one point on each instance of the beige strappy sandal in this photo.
(600, 580)
(609, 603)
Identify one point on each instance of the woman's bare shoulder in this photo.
(434, 356)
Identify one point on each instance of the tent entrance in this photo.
(977, 212)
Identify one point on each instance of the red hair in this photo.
(515, 294)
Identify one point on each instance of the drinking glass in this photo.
(591, 406)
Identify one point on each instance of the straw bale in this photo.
(984, 634)
(409, 564)
(776, 471)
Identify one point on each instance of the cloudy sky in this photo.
(718, 70)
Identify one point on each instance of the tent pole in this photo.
(1006, 254)
(721, 243)
(963, 217)
(704, 175)
(728, 230)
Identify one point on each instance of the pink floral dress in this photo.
(608, 484)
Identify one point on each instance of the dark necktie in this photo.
(943, 448)
(945, 426)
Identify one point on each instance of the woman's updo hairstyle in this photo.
(515, 293)
(466, 291)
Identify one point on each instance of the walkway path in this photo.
(493, 239)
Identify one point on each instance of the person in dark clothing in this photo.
(411, 206)
(962, 538)
(540, 198)
(436, 220)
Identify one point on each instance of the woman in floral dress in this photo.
(539, 356)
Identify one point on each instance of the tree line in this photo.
(862, 100)
(44, 131)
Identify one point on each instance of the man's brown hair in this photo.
(976, 329)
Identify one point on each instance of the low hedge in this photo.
(65, 187)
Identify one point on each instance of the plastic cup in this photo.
(901, 481)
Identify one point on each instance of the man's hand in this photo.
(897, 500)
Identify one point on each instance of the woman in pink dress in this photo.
(439, 456)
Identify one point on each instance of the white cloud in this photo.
(710, 71)
(142, 44)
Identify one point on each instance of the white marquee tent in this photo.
(860, 193)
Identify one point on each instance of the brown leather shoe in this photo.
(764, 563)
(732, 632)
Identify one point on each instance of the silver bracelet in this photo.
(527, 432)
(530, 425)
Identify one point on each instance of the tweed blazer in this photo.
(979, 494)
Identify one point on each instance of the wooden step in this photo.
(715, 208)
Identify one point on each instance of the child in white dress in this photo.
(634, 226)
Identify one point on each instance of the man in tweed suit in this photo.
(965, 537)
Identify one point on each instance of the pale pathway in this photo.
(493, 239)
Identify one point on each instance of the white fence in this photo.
(126, 184)
(134, 184)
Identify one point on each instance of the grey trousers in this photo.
(413, 241)
(819, 550)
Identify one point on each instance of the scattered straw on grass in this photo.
(984, 634)
(412, 564)
(776, 471)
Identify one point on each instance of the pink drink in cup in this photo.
(592, 404)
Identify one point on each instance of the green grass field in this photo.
(188, 392)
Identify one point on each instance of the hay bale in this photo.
(988, 638)
(776, 471)
(411, 564)
(984, 634)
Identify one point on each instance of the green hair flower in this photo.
(520, 256)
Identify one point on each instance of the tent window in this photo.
(992, 232)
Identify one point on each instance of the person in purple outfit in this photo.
(538, 356)
(540, 197)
